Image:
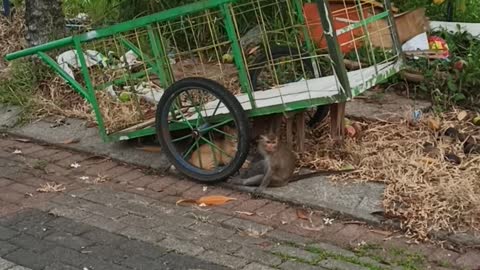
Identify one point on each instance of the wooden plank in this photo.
(337, 121)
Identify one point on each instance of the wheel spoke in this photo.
(182, 138)
(196, 109)
(216, 108)
(215, 146)
(213, 152)
(183, 117)
(190, 149)
(216, 125)
(226, 134)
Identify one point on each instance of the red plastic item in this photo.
(341, 17)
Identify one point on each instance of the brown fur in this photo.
(208, 154)
(276, 168)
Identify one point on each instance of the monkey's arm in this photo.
(266, 179)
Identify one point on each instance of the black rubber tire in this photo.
(239, 117)
(282, 51)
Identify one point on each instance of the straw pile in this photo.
(12, 33)
(426, 190)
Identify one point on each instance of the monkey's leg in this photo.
(251, 181)
(265, 180)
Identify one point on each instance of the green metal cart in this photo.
(195, 74)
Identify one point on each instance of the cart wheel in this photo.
(203, 129)
(279, 52)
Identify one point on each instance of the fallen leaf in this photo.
(476, 121)
(311, 228)
(462, 115)
(433, 124)
(75, 165)
(384, 233)
(23, 140)
(70, 141)
(186, 201)
(244, 213)
(214, 200)
(253, 50)
(328, 221)
(302, 214)
(51, 187)
(357, 127)
(151, 149)
(351, 132)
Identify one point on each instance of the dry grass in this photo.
(12, 34)
(51, 188)
(424, 190)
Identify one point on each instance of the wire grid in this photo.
(134, 73)
(131, 80)
(290, 24)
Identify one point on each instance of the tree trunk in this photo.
(44, 20)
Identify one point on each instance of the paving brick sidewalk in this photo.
(124, 203)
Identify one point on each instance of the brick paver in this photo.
(127, 219)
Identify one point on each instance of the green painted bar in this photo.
(363, 23)
(394, 31)
(71, 81)
(89, 86)
(40, 48)
(154, 44)
(238, 54)
(158, 17)
(333, 47)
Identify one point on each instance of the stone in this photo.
(294, 252)
(257, 266)
(4, 264)
(185, 247)
(223, 259)
(334, 250)
(291, 265)
(247, 226)
(335, 264)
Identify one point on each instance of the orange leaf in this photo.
(302, 214)
(253, 50)
(214, 200)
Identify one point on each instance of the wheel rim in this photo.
(207, 129)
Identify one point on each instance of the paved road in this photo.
(107, 215)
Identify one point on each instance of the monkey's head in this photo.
(269, 143)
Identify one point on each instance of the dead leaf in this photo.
(302, 214)
(433, 124)
(244, 213)
(384, 233)
(186, 201)
(151, 149)
(23, 140)
(462, 115)
(311, 228)
(253, 50)
(351, 132)
(214, 200)
(71, 141)
(51, 188)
